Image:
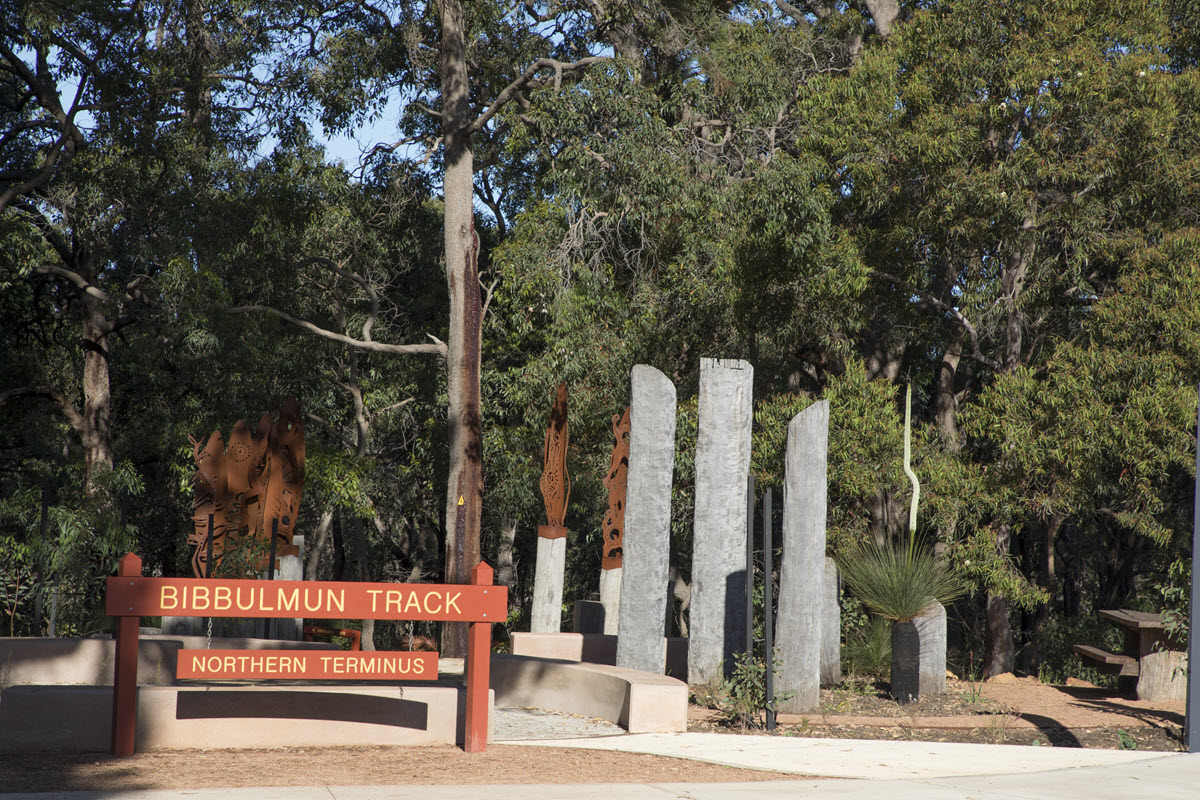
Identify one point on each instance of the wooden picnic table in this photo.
(1149, 655)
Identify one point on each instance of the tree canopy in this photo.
(992, 202)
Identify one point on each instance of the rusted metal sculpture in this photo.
(243, 488)
(556, 483)
(618, 475)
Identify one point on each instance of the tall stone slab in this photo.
(931, 632)
(831, 628)
(802, 574)
(643, 618)
(718, 602)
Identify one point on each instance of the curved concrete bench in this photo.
(640, 702)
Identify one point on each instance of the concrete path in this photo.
(854, 758)
(870, 770)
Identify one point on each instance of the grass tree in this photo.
(901, 581)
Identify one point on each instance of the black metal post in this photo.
(750, 567)
(768, 610)
(1192, 711)
(271, 559)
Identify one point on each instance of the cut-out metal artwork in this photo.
(245, 486)
(618, 475)
(556, 483)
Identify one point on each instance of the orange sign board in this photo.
(306, 665)
(194, 597)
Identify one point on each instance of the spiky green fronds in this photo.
(899, 582)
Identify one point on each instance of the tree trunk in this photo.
(97, 392)
(506, 571)
(313, 558)
(1048, 581)
(464, 481)
(998, 638)
(339, 550)
(947, 403)
(362, 573)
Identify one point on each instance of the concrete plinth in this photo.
(546, 614)
(610, 598)
(78, 718)
(802, 574)
(589, 617)
(647, 521)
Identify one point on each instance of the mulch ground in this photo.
(1005, 710)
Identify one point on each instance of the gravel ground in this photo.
(520, 724)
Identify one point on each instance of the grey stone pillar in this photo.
(643, 617)
(802, 574)
(931, 630)
(831, 628)
(610, 598)
(718, 607)
(546, 614)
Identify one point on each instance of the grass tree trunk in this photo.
(906, 662)
(465, 479)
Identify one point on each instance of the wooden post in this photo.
(124, 710)
(477, 674)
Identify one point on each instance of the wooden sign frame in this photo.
(130, 596)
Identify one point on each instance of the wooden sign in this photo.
(306, 665)
(193, 597)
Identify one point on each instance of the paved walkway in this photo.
(869, 770)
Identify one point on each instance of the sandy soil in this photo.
(353, 766)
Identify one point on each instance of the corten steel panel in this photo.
(306, 665)
(341, 600)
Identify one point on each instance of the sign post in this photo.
(130, 596)
(124, 713)
(479, 654)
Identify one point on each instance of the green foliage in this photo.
(868, 648)
(741, 699)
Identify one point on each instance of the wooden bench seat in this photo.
(1109, 663)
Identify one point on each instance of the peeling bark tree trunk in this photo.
(465, 479)
(506, 571)
(96, 431)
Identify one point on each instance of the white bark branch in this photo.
(437, 348)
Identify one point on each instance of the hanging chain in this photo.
(208, 644)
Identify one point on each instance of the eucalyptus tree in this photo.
(995, 167)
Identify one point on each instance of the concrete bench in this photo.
(638, 701)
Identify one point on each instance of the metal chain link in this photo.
(208, 644)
